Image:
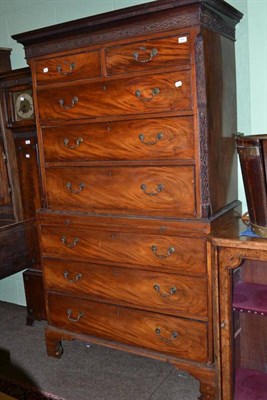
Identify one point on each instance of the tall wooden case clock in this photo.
(16, 235)
(22, 170)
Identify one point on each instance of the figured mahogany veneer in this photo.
(136, 115)
(139, 190)
(68, 68)
(156, 252)
(152, 94)
(172, 294)
(138, 328)
(149, 54)
(140, 139)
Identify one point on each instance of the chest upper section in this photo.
(137, 76)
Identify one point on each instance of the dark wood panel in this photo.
(28, 171)
(5, 198)
(5, 63)
(17, 243)
(220, 99)
(34, 292)
(252, 160)
(254, 271)
(253, 344)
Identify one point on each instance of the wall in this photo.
(242, 81)
(257, 26)
(18, 16)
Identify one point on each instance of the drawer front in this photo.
(171, 335)
(68, 68)
(149, 54)
(138, 95)
(157, 191)
(170, 294)
(147, 139)
(176, 254)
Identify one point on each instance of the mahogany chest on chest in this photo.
(136, 111)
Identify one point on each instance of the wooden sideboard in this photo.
(240, 310)
(136, 115)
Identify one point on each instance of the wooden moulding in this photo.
(131, 22)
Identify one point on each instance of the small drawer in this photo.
(171, 335)
(149, 54)
(145, 139)
(170, 294)
(68, 68)
(157, 191)
(128, 96)
(164, 253)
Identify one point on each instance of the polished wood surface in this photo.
(138, 165)
(68, 68)
(172, 294)
(149, 54)
(139, 191)
(139, 139)
(139, 328)
(172, 253)
(151, 94)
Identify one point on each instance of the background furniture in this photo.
(240, 295)
(135, 118)
(252, 150)
(14, 233)
(20, 194)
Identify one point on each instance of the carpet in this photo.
(24, 392)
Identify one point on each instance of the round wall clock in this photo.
(23, 105)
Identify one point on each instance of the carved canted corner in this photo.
(203, 126)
